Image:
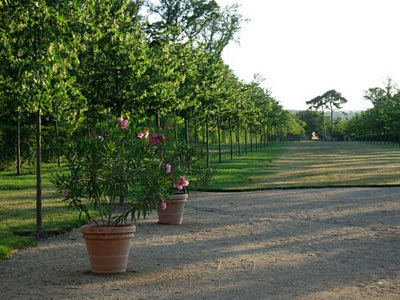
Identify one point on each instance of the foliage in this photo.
(329, 100)
(177, 167)
(108, 164)
(382, 119)
(113, 56)
(313, 121)
(119, 160)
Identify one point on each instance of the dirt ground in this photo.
(341, 243)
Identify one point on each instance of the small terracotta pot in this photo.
(108, 247)
(173, 214)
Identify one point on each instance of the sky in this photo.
(304, 48)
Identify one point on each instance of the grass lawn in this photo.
(309, 164)
(247, 171)
(335, 164)
(18, 209)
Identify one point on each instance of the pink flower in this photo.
(163, 204)
(155, 139)
(140, 135)
(146, 134)
(168, 168)
(181, 183)
(65, 194)
(124, 124)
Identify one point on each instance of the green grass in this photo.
(336, 164)
(8, 244)
(18, 209)
(309, 164)
(247, 171)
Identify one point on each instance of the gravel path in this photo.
(328, 243)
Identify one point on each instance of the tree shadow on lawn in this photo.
(309, 179)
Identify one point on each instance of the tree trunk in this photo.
(331, 123)
(38, 175)
(270, 138)
(158, 121)
(187, 130)
(19, 145)
(231, 138)
(117, 90)
(38, 148)
(255, 135)
(273, 129)
(219, 140)
(251, 140)
(176, 133)
(195, 133)
(245, 140)
(208, 143)
(58, 145)
(204, 135)
(238, 141)
(264, 137)
(323, 119)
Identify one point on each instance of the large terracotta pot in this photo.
(108, 247)
(173, 214)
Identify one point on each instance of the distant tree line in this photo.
(380, 124)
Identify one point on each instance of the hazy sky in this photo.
(305, 47)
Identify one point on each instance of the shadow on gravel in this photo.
(277, 244)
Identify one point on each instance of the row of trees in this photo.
(77, 62)
(68, 65)
(380, 123)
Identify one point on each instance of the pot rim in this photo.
(93, 228)
(179, 197)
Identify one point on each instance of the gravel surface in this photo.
(340, 243)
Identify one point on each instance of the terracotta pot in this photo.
(173, 214)
(108, 247)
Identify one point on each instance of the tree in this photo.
(319, 103)
(113, 57)
(182, 19)
(313, 122)
(380, 123)
(333, 100)
(38, 46)
(329, 100)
